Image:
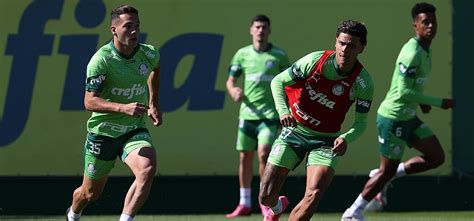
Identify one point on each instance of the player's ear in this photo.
(113, 30)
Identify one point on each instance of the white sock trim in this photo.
(125, 217)
(71, 214)
(359, 204)
(246, 197)
(400, 170)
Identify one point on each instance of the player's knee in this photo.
(263, 156)
(148, 172)
(246, 157)
(91, 196)
(387, 174)
(312, 196)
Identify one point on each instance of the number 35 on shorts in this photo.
(94, 148)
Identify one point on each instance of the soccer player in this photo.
(397, 122)
(312, 98)
(258, 120)
(121, 90)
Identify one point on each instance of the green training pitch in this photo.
(386, 216)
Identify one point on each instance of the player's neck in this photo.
(261, 46)
(123, 49)
(343, 70)
(424, 42)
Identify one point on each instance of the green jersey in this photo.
(406, 91)
(259, 69)
(362, 91)
(120, 79)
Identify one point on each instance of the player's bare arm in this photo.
(93, 102)
(234, 91)
(154, 111)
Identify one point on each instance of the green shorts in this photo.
(256, 132)
(395, 135)
(100, 152)
(291, 147)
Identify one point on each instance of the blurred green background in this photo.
(202, 142)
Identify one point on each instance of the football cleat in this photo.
(270, 216)
(70, 218)
(350, 215)
(264, 209)
(240, 210)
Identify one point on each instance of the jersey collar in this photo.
(123, 55)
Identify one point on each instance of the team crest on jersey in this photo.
(397, 150)
(143, 69)
(338, 90)
(269, 64)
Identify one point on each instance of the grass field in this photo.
(406, 216)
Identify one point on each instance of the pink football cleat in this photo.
(274, 217)
(241, 210)
(264, 210)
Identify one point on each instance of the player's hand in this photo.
(340, 147)
(425, 108)
(447, 103)
(134, 109)
(156, 116)
(237, 94)
(287, 120)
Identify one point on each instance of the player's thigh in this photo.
(388, 166)
(322, 157)
(321, 153)
(139, 144)
(100, 153)
(93, 187)
(286, 152)
(392, 138)
(247, 135)
(319, 177)
(426, 142)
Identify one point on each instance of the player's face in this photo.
(348, 47)
(126, 30)
(425, 25)
(260, 31)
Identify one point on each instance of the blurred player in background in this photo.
(121, 90)
(397, 122)
(312, 98)
(258, 63)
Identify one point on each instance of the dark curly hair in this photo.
(422, 7)
(353, 28)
